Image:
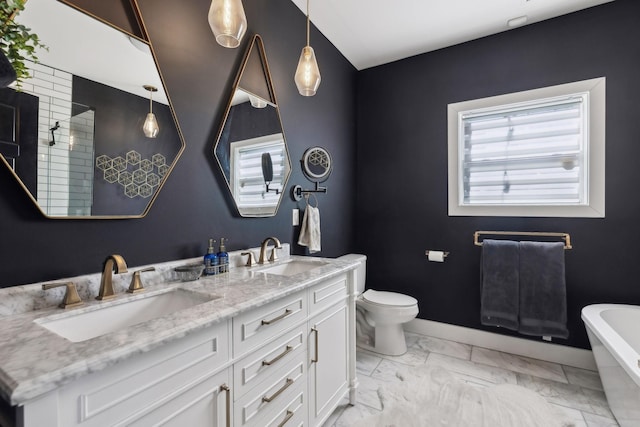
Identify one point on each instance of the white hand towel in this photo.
(310, 229)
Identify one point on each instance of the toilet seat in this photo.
(384, 298)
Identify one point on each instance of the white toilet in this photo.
(380, 315)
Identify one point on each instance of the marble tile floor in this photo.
(576, 392)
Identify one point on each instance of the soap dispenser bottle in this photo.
(223, 257)
(211, 260)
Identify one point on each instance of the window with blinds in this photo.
(534, 153)
(530, 153)
(247, 181)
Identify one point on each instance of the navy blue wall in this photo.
(195, 203)
(402, 163)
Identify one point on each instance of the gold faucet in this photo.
(263, 249)
(113, 263)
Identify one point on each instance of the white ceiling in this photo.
(375, 32)
(366, 32)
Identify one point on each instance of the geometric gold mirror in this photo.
(251, 148)
(73, 135)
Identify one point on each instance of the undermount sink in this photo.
(291, 268)
(84, 325)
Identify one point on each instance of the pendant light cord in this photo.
(307, 23)
(151, 101)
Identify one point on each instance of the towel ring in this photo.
(306, 198)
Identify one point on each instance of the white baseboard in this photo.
(549, 352)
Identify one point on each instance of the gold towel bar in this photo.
(565, 236)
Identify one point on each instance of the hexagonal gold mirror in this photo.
(251, 148)
(73, 135)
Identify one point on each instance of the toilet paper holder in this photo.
(436, 255)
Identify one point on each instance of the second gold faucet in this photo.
(113, 263)
(263, 250)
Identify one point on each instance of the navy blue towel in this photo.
(543, 295)
(499, 284)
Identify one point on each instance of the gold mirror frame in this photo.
(251, 148)
(125, 163)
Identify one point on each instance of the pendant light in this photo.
(150, 127)
(307, 74)
(228, 22)
(257, 102)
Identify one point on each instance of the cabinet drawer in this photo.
(293, 414)
(143, 381)
(258, 326)
(273, 394)
(255, 367)
(327, 293)
(204, 404)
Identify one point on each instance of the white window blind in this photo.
(530, 153)
(249, 188)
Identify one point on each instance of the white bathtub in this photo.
(614, 333)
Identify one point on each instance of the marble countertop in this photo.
(34, 360)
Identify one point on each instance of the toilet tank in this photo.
(361, 270)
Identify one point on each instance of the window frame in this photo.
(595, 147)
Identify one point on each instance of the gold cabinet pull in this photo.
(277, 393)
(278, 357)
(227, 392)
(316, 358)
(287, 418)
(275, 319)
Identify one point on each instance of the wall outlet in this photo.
(295, 217)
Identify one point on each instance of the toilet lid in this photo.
(388, 298)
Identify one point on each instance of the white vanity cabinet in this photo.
(294, 368)
(270, 343)
(288, 362)
(183, 380)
